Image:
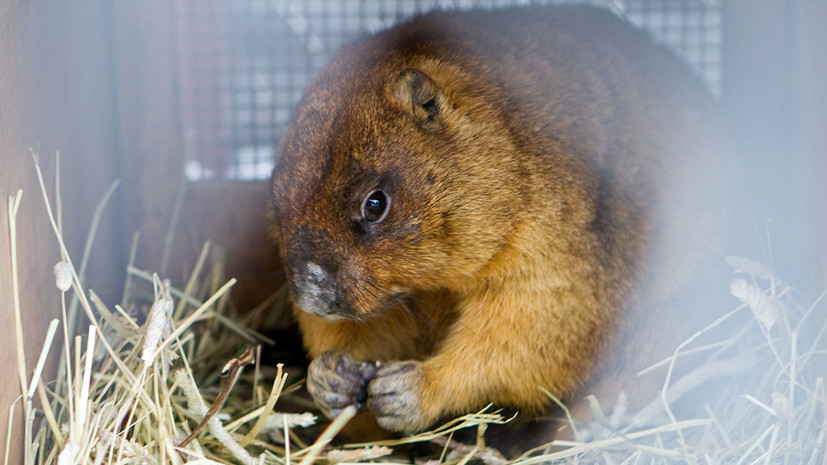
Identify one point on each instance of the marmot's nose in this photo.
(315, 291)
(312, 277)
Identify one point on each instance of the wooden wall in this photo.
(774, 75)
(56, 91)
(15, 133)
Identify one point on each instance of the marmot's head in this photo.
(395, 176)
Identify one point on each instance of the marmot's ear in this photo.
(421, 97)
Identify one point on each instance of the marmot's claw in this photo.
(335, 381)
(394, 397)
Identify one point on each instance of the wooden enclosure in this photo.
(98, 81)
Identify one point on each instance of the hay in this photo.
(141, 384)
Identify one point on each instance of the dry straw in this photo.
(143, 375)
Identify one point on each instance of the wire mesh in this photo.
(243, 64)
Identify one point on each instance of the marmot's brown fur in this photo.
(475, 205)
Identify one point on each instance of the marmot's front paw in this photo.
(335, 381)
(394, 397)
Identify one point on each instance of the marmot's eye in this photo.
(376, 206)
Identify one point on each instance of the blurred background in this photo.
(184, 102)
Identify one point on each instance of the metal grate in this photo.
(243, 64)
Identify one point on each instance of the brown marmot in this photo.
(473, 205)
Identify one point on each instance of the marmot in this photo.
(472, 206)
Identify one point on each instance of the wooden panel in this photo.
(16, 130)
(151, 144)
(71, 72)
(810, 36)
(56, 92)
(774, 96)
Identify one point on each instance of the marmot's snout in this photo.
(315, 292)
(313, 276)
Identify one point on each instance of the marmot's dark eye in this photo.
(376, 206)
